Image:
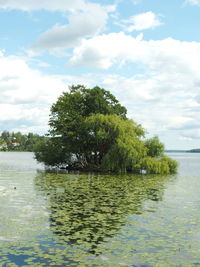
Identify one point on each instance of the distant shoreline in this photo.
(183, 151)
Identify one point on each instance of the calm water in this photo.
(88, 220)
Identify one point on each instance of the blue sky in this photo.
(146, 52)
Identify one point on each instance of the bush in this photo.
(163, 165)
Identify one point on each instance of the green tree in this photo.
(68, 115)
(158, 165)
(113, 144)
(154, 147)
(73, 107)
(52, 152)
(89, 130)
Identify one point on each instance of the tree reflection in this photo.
(90, 209)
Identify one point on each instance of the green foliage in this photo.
(154, 165)
(161, 165)
(68, 115)
(154, 147)
(156, 162)
(84, 198)
(51, 152)
(172, 164)
(18, 141)
(114, 142)
(90, 131)
(73, 107)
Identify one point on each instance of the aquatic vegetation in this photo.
(53, 219)
(91, 209)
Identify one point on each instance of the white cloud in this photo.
(191, 134)
(22, 84)
(52, 5)
(26, 94)
(85, 19)
(136, 2)
(185, 138)
(81, 25)
(156, 103)
(168, 55)
(143, 21)
(193, 2)
(103, 51)
(166, 97)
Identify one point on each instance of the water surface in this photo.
(51, 219)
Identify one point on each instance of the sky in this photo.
(145, 52)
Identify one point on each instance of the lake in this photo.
(54, 219)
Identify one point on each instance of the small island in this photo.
(90, 131)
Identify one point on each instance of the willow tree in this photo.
(89, 130)
(114, 144)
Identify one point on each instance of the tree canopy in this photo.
(89, 130)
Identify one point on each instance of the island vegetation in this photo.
(90, 131)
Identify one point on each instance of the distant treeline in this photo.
(18, 141)
(196, 150)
